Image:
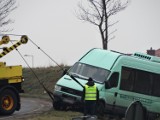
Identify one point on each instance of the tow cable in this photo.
(36, 76)
(57, 64)
(47, 91)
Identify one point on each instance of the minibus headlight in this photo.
(57, 87)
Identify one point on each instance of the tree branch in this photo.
(6, 7)
(98, 13)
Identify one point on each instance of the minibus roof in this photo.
(100, 58)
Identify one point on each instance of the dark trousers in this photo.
(90, 107)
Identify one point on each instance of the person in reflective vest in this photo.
(90, 97)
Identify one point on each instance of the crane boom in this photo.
(6, 39)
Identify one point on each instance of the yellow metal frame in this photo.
(12, 73)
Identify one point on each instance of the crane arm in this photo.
(6, 50)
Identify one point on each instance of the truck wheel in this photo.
(8, 102)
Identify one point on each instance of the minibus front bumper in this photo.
(66, 99)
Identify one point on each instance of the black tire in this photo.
(8, 102)
(100, 108)
(57, 105)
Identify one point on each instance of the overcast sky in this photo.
(53, 26)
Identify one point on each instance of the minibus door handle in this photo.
(115, 94)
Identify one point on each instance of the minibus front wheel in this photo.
(100, 108)
(57, 105)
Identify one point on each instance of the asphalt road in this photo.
(29, 106)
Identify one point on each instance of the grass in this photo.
(46, 75)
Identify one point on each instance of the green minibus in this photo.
(120, 78)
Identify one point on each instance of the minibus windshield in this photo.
(84, 71)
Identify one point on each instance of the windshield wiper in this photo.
(79, 76)
(97, 81)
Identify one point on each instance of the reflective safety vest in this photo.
(90, 92)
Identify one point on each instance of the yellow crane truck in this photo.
(10, 79)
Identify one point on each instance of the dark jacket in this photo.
(89, 83)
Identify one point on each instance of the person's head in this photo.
(90, 82)
(90, 79)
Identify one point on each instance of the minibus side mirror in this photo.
(107, 85)
(113, 81)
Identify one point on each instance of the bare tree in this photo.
(98, 12)
(6, 7)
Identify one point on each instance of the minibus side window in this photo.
(139, 81)
(127, 79)
(156, 85)
(113, 81)
(142, 82)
